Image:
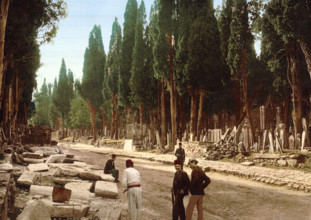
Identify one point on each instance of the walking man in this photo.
(180, 189)
(131, 183)
(199, 181)
(110, 168)
(180, 154)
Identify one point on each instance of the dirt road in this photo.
(227, 197)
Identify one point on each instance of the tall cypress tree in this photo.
(203, 70)
(128, 42)
(63, 94)
(93, 75)
(139, 77)
(112, 72)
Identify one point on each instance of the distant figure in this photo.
(131, 183)
(180, 154)
(110, 168)
(199, 181)
(181, 183)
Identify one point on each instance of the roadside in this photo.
(285, 178)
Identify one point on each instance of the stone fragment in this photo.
(35, 210)
(106, 189)
(38, 167)
(32, 155)
(292, 162)
(66, 210)
(80, 185)
(57, 158)
(27, 178)
(90, 175)
(41, 190)
(248, 163)
(30, 160)
(282, 163)
(6, 167)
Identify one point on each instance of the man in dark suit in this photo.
(180, 154)
(179, 190)
(110, 168)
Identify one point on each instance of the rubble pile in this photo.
(59, 186)
(228, 150)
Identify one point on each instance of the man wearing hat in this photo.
(131, 183)
(180, 189)
(180, 154)
(199, 181)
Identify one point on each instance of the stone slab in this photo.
(90, 175)
(27, 178)
(248, 163)
(30, 160)
(80, 185)
(106, 189)
(128, 145)
(107, 177)
(38, 167)
(57, 158)
(6, 167)
(66, 210)
(32, 155)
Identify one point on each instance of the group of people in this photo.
(182, 185)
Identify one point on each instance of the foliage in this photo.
(93, 69)
(79, 113)
(128, 42)
(42, 101)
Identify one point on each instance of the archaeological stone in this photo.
(27, 178)
(57, 158)
(106, 189)
(38, 167)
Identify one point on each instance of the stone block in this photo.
(61, 194)
(80, 185)
(27, 178)
(128, 144)
(38, 167)
(32, 155)
(292, 162)
(30, 160)
(41, 190)
(57, 158)
(106, 189)
(6, 167)
(90, 175)
(107, 177)
(247, 163)
(282, 163)
(66, 210)
(35, 210)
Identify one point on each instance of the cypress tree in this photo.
(112, 72)
(128, 42)
(93, 75)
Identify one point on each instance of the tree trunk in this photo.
(141, 109)
(306, 49)
(294, 79)
(236, 92)
(151, 119)
(163, 116)
(193, 114)
(4, 10)
(286, 119)
(181, 116)
(247, 107)
(92, 110)
(199, 125)
(173, 92)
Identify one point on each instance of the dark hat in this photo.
(129, 163)
(177, 162)
(193, 160)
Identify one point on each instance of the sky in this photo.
(73, 35)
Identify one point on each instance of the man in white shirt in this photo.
(131, 183)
